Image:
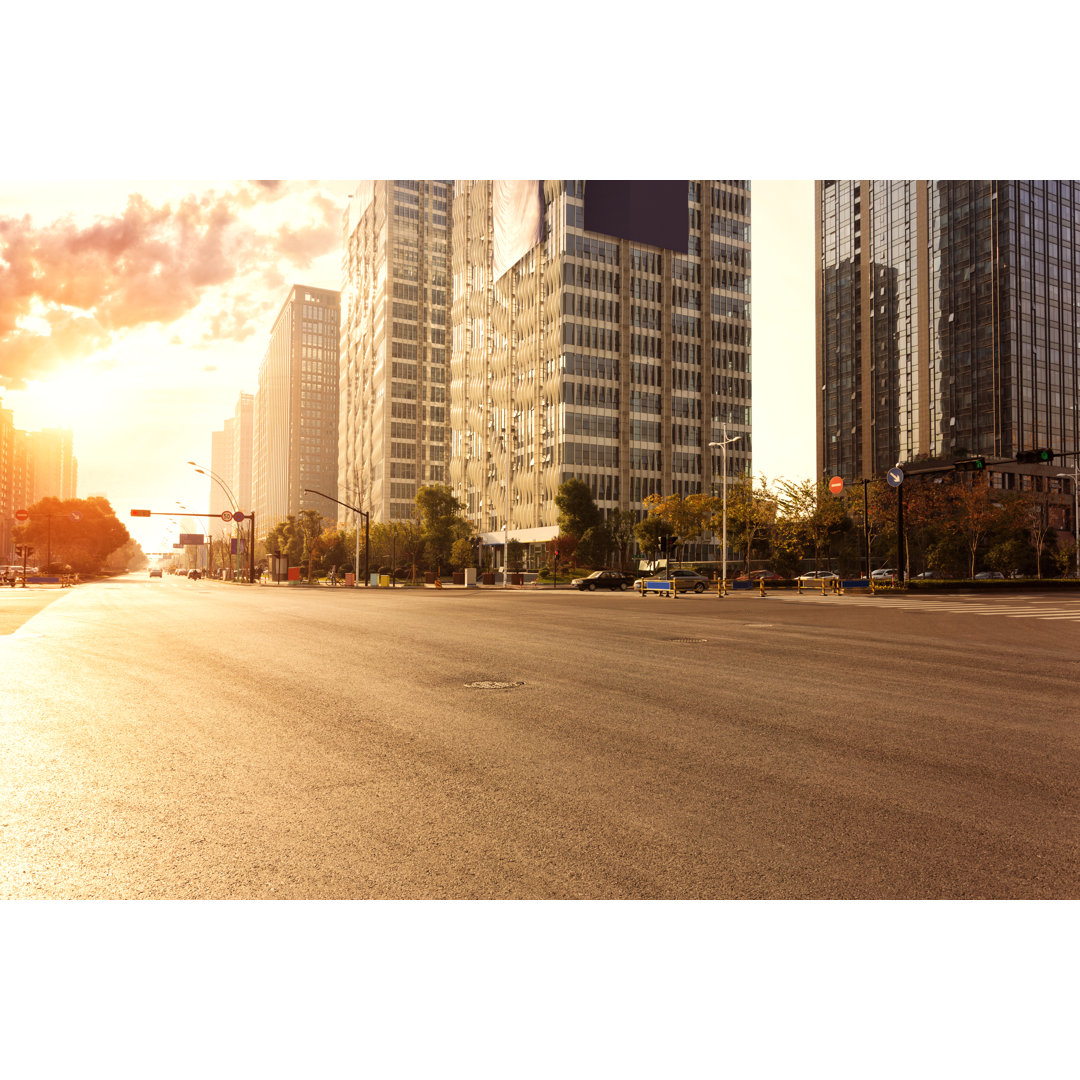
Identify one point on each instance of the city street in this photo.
(175, 739)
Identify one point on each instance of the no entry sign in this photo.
(836, 485)
(21, 515)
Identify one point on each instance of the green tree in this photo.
(578, 511)
(80, 533)
(751, 513)
(515, 555)
(649, 532)
(620, 524)
(462, 554)
(441, 523)
(810, 507)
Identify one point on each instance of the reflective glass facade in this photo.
(946, 320)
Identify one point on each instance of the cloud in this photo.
(151, 264)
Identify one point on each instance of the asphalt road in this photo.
(195, 740)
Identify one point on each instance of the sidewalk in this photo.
(18, 605)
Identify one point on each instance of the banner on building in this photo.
(654, 212)
(517, 210)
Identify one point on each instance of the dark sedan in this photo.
(603, 579)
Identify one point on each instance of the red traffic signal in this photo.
(556, 553)
(140, 513)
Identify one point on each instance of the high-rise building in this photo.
(601, 329)
(296, 410)
(221, 464)
(242, 427)
(55, 468)
(394, 419)
(948, 315)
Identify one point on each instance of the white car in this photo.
(818, 575)
(884, 575)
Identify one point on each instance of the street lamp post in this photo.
(723, 444)
(1075, 475)
(232, 499)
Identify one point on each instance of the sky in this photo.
(135, 312)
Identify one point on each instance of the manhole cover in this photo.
(687, 640)
(490, 685)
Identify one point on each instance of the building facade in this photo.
(947, 322)
(596, 356)
(295, 411)
(55, 467)
(394, 409)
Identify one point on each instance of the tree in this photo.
(578, 511)
(594, 546)
(686, 518)
(441, 523)
(462, 553)
(750, 514)
(975, 514)
(809, 506)
(80, 533)
(620, 524)
(649, 532)
(515, 555)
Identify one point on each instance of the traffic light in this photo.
(975, 464)
(556, 553)
(1041, 456)
(140, 513)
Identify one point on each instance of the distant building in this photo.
(395, 343)
(295, 413)
(601, 329)
(55, 468)
(947, 320)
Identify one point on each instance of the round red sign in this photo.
(836, 485)
(21, 515)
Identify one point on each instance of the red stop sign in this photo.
(836, 485)
(21, 515)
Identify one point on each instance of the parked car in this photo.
(762, 575)
(884, 574)
(990, 575)
(927, 574)
(818, 575)
(683, 580)
(603, 579)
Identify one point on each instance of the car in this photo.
(818, 575)
(990, 575)
(762, 575)
(155, 571)
(194, 575)
(603, 579)
(683, 580)
(927, 574)
(884, 574)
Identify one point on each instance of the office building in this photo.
(295, 412)
(947, 323)
(55, 467)
(394, 410)
(601, 329)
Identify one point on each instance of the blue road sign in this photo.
(895, 477)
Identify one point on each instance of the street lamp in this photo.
(1075, 474)
(723, 444)
(209, 473)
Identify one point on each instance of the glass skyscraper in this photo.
(947, 320)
